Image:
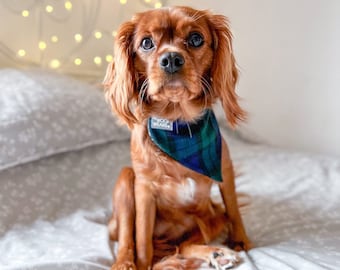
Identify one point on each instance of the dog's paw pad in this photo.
(224, 259)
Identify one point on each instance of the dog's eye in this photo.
(147, 44)
(195, 40)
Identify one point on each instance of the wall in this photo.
(289, 57)
(287, 51)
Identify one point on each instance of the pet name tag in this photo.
(163, 124)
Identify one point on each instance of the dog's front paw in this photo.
(223, 258)
(125, 265)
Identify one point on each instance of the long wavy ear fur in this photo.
(224, 73)
(120, 79)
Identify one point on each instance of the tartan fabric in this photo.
(195, 145)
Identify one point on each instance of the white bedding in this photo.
(54, 205)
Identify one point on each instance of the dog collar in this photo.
(195, 145)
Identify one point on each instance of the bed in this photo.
(61, 151)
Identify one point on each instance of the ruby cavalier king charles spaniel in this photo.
(170, 66)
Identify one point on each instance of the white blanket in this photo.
(54, 207)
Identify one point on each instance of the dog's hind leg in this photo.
(122, 224)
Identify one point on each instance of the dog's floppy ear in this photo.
(120, 79)
(224, 73)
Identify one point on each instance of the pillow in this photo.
(43, 113)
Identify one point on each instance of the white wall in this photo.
(289, 56)
(288, 52)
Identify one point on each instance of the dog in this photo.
(170, 66)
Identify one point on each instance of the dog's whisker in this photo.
(165, 107)
(205, 94)
(142, 93)
(206, 84)
(140, 98)
(206, 90)
(189, 129)
(145, 84)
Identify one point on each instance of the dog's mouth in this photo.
(174, 91)
(174, 98)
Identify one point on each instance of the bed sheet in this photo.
(54, 211)
(294, 218)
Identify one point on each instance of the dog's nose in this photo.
(171, 62)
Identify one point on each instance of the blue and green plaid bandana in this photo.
(195, 145)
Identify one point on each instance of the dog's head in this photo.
(172, 63)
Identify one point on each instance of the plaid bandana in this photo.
(195, 145)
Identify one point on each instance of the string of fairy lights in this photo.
(59, 12)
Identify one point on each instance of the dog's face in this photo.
(173, 56)
(172, 63)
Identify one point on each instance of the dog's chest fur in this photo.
(172, 184)
(187, 192)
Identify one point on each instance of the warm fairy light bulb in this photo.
(42, 45)
(25, 13)
(55, 63)
(21, 53)
(98, 35)
(114, 33)
(49, 9)
(123, 2)
(78, 37)
(77, 61)
(109, 58)
(68, 5)
(54, 39)
(147, 1)
(97, 60)
(158, 5)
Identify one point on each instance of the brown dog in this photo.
(170, 66)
